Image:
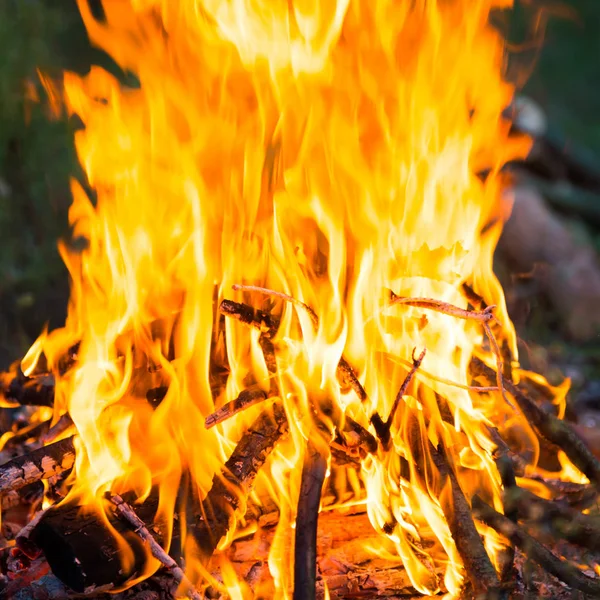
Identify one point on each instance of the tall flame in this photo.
(332, 150)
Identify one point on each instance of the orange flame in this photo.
(329, 150)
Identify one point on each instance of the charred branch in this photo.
(478, 566)
(549, 426)
(247, 398)
(564, 521)
(537, 552)
(140, 528)
(383, 428)
(305, 553)
(42, 463)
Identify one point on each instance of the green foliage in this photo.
(36, 161)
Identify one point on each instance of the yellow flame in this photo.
(331, 151)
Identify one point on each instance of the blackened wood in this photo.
(504, 464)
(477, 563)
(247, 398)
(564, 521)
(538, 553)
(548, 426)
(42, 463)
(30, 391)
(305, 552)
(237, 478)
(84, 554)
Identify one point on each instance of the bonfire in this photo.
(287, 369)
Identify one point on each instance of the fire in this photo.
(331, 151)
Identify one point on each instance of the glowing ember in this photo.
(329, 151)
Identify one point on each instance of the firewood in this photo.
(549, 426)
(534, 550)
(30, 391)
(39, 464)
(247, 398)
(564, 521)
(140, 528)
(348, 564)
(63, 424)
(478, 566)
(504, 464)
(83, 552)
(305, 551)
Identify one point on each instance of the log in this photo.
(305, 553)
(42, 463)
(83, 553)
(30, 391)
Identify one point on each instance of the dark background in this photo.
(555, 60)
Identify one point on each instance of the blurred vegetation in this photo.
(556, 51)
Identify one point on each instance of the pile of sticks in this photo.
(60, 550)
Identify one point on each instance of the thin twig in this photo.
(549, 427)
(560, 568)
(140, 528)
(484, 315)
(383, 428)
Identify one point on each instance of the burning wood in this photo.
(311, 152)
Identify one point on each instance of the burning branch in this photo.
(560, 568)
(383, 428)
(548, 426)
(305, 553)
(478, 566)
(140, 528)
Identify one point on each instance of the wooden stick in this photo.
(155, 548)
(484, 315)
(247, 398)
(30, 391)
(305, 553)
(504, 464)
(549, 427)
(237, 478)
(383, 428)
(478, 566)
(42, 463)
(560, 568)
(566, 522)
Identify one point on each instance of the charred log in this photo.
(305, 552)
(82, 549)
(42, 463)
